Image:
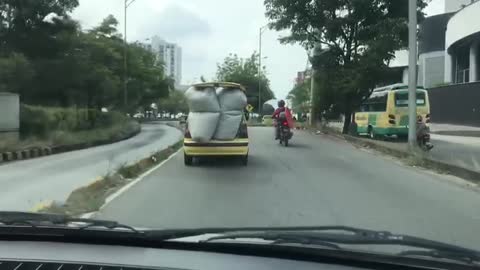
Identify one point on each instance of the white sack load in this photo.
(202, 125)
(231, 99)
(204, 100)
(228, 125)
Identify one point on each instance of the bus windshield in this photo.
(401, 99)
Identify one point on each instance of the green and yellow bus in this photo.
(385, 112)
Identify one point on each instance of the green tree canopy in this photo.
(47, 58)
(245, 72)
(359, 38)
(299, 97)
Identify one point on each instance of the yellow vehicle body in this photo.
(235, 147)
(385, 113)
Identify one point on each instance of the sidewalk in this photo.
(461, 151)
(455, 130)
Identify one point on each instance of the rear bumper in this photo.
(237, 147)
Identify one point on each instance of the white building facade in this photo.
(449, 45)
(170, 55)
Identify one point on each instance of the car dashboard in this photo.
(25, 255)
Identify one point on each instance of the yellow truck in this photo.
(236, 147)
(385, 112)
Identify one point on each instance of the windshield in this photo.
(401, 99)
(165, 114)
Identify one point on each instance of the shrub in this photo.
(42, 121)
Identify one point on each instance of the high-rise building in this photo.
(170, 55)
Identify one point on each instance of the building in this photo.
(449, 44)
(170, 55)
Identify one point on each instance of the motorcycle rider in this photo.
(281, 108)
(422, 131)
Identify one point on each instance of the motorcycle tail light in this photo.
(285, 123)
(427, 118)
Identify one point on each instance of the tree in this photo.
(245, 72)
(299, 97)
(360, 36)
(174, 104)
(16, 74)
(49, 60)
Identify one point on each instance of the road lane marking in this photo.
(136, 181)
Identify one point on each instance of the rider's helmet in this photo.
(281, 103)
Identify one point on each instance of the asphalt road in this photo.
(25, 184)
(316, 181)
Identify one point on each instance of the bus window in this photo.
(376, 103)
(401, 99)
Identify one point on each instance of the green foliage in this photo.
(175, 103)
(41, 121)
(245, 72)
(49, 60)
(358, 37)
(299, 97)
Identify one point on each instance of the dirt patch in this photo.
(91, 197)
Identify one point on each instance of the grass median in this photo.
(92, 197)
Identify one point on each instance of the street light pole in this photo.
(412, 76)
(125, 56)
(127, 3)
(260, 70)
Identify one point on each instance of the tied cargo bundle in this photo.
(202, 125)
(228, 125)
(204, 100)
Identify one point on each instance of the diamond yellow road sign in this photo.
(249, 108)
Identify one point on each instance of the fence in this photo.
(457, 104)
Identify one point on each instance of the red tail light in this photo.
(285, 123)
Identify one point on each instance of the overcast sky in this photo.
(208, 30)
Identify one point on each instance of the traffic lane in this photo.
(29, 182)
(317, 180)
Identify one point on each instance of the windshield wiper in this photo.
(333, 236)
(8, 218)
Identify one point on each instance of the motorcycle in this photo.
(284, 130)
(424, 142)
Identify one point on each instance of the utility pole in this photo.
(412, 75)
(316, 51)
(312, 98)
(125, 73)
(127, 3)
(260, 70)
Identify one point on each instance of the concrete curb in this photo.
(445, 168)
(45, 151)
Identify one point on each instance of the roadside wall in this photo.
(456, 104)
